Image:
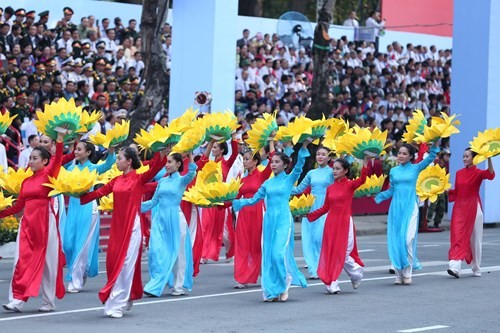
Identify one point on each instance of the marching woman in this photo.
(248, 233)
(170, 253)
(402, 222)
(312, 233)
(339, 249)
(279, 269)
(37, 257)
(217, 222)
(123, 262)
(466, 233)
(81, 232)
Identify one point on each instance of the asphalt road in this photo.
(434, 303)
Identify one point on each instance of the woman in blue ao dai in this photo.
(81, 231)
(170, 254)
(312, 233)
(402, 222)
(279, 269)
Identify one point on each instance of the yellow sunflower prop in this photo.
(219, 192)
(440, 128)
(283, 134)
(337, 128)
(58, 115)
(88, 121)
(192, 139)
(114, 136)
(486, 144)
(106, 203)
(154, 140)
(194, 196)
(372, 186)
(211, 173)
(13, 179)
(5, 201)
(184, 122)
(5, 121)
(301, 205)
(260, 132)
(359, 142)
(415, 126)
(301, 129)
(431, 182)
(219, 125)
(72, 183)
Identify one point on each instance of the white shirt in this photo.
(66, 44)
(3, 159)
(351, 23)
(372, 23)
(24, 158)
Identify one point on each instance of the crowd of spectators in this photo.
(367, 87)
(99, 64)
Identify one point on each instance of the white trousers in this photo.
(351, 267)
(120, 294)
(79, 269)
(476, 241)
(179, 269)
(225, 235)
(193, 224)
(410, 239)
(48, 287)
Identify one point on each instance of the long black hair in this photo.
(411, 150)
(178, 158)
(130, 154)
(44, 154)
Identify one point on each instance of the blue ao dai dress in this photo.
(279, 269)
(312, 233)
(165, 241)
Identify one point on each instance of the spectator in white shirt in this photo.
(352, 20)
(24, 156)
(4, 164)
(373, 22)
(110, 45)
(65, 42)
(353, 60)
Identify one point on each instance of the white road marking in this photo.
(191, 298)
(430, 245)
(422, 329)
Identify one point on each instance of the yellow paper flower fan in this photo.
(486, 144)
(72, 183)
(373, 185)
(181, 124)
(359, 142)
(192, 139)
(431, 182)
(142, 169)
(194, 196)
(210, 173)
(5, 201)
(415, 126)
(440, 128)
(260, 132)
(219, 125)
(114, 136)
(154, 140)
(106, 203)
(301, 205)
(301, 129)
(59, 114)
(107, 176)
(88, 121)
(337, 128)
(13, 179)
(283, 134)
(5, 121)
(218, 192)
